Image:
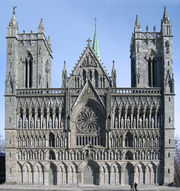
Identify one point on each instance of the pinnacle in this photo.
(113, 68)
(165, 12)
(137, 26)
(49, 41)
(13, 19)
(41, 27)
(137, 20)
(64, 69)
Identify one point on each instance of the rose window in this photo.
(87, 121)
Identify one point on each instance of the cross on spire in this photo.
(95, 19)
(14, 7)
(89, 41)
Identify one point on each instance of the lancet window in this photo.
(96, 78)
(28, 71)
(152, 72)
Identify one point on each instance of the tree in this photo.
(177, 162)
(2, 144)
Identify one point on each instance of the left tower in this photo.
(29, 57)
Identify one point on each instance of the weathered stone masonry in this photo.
(89, 131)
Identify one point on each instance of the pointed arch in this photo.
(28, 70)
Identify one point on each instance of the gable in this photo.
(88, 92)
(89, 67)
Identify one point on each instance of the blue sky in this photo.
(71, 22)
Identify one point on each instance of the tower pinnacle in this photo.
(165, 12)
(13, 25)
(166, 26)
(41, 27)
(95, 43)
(137, 27)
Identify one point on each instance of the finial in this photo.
(64, 69)
(89, 41)
(137, 27)
(165, 12)
(137, 20)
(41, 27)
(154, 28)
(14, 7)
(95, 19)
(113, 66)
(147, 28)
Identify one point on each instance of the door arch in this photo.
(52, 175)
(88, 175)
(129, 174)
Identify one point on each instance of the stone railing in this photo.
(77, 91)
(148, 35)
(136, 91)
(40, 92)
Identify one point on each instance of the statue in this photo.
(147, 126)
(140, 122)
(116, 122)
(128, 123)
(122, 122)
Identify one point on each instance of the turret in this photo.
(166, 26)
(113, 75)
(12, 29)
(64, 76)
(41, 27)
(168, 98)
(137, 26)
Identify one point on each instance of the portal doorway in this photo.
(90, 175)
(129, 174)
(52, 175)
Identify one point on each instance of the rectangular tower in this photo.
(152, 66)
(28, 66)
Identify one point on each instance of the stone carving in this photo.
(88, 61)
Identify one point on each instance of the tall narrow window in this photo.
(26, 77)
(90, 75)
(28, 71)
(152, 72)
(149, 72)
(96, 79)
(84, 77)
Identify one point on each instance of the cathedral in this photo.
(89, 131)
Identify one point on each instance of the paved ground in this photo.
(5, 187)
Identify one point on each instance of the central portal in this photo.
(90, 175)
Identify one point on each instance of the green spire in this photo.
(96, 44)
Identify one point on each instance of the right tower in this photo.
(151, 67)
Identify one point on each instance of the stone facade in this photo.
(89, 131)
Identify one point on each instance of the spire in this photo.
(137, 27)
(41, 27)
(95, 43)
(13, 25)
